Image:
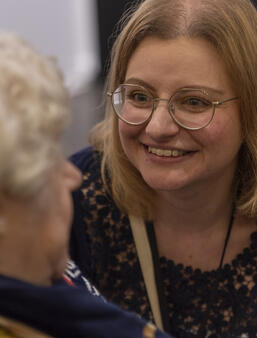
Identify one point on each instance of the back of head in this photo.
(230, 27)
(33, 111)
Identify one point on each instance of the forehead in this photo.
(178, 63)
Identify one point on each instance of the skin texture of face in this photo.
(35, 241)
(163, 67)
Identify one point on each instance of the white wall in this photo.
(64, 28)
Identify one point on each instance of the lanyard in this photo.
(158, 275)
(158, 278)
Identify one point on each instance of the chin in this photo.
(160, 184)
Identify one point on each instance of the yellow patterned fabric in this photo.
(4, 333)
(149, 331)
(12, 329)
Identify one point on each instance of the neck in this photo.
(193, 227)
(24, 268)
(196, 209)
(21, 251)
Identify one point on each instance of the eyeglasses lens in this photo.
(191, 108)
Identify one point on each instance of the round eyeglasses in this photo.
(191, 108)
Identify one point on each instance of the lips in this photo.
(167, 152)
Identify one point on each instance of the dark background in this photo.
(254, 2)
(109, 14)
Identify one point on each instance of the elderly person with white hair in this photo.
(36, 210)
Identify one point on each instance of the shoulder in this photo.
(86, 159)
(90, 201)
(88, 162)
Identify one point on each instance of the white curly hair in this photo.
(34, 110)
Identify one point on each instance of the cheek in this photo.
(67, 209)
(62, 214)
(224, 134)
(129, 139)
(125, 130)
(128, 133)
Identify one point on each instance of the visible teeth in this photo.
(177, 153)
(166, 152)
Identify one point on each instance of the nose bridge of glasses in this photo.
(168, 106)
(157, 100)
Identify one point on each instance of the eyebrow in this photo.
(209, 90)
(134, 80)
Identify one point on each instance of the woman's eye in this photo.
(195, 101)
(192, 104)
(139, 97)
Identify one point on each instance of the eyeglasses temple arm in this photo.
(218, 103)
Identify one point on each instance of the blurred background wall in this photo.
(79, 34)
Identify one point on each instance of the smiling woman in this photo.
(195, 149)
(170, 180)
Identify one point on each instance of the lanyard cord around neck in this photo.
(158, 278)
(164, 309)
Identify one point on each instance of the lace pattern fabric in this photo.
(115, 270)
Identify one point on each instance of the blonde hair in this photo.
(33, 111)
(232, 30)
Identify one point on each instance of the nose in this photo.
(161, 125)
(72, 175)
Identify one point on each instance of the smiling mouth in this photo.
(167, 152)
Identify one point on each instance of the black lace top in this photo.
(102, 245)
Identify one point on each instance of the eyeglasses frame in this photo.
(158, 99)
